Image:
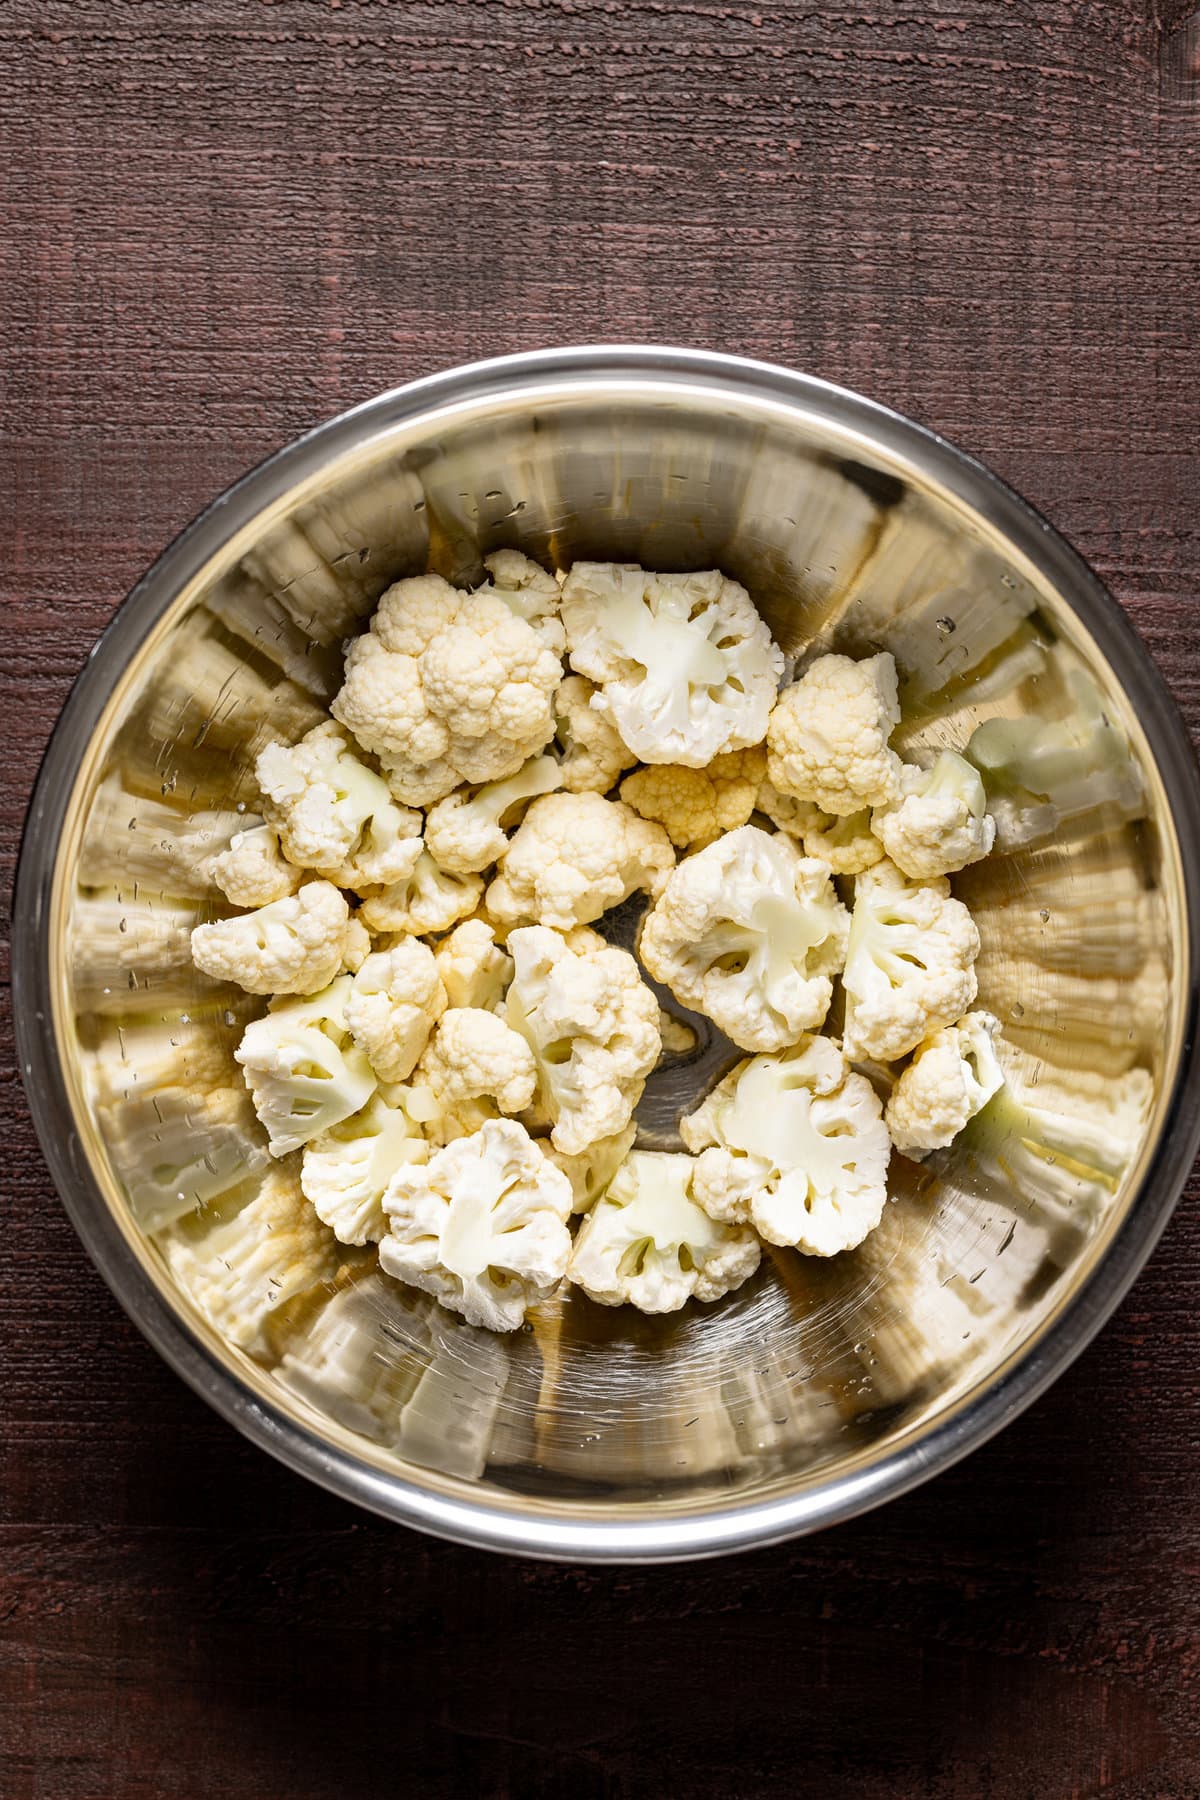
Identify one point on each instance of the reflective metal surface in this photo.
(821, 1387)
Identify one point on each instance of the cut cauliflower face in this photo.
(590, 751)
(572, 858)
(304, 1070)
(909, 963)
(590, 1172)
(592, 1025)
(939, 823)
(694, 806)
(447, 687)
(796, 1146)
(468, 830)
(847, 844)
(346, 1171)
(395, 1001)
(686, 667)
(952, 1076)
(528, 592)
(828, 737)
(429, 900)
(474, 1067)
(649, 1244)
(253, 870)
(481, 1226)
(475, 970)
(293, 946)
(751, 933)
(334, 814)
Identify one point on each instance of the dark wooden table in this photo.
(223, 220)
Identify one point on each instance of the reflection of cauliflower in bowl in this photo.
(614, 938)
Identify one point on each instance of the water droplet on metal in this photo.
(1044, 915)
(241, 806)
(229, 1017)
(946, 625)
(1018, 1011)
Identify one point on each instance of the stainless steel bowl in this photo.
(821, 1388)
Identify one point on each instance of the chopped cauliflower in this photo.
(590, 1172)
(751, 933)
(253, 870)
(592, 1026)
(335, 815)
(447, 687)
(847, 843)
(529, 592)
(357, 947)
(573, 857)
(939, 822)
(466, 832)
(345, 1171)
(475, 970)
(482, 1226)
(909, 963)
(304, 1070)
(952, 1076)
(648, 1243)
(685, 665)
(292, 946)
(474, 1066)
(694, 806)
(590, 750)
(427, 900)
(395, 1002)
(828, 737)
(796, 1146)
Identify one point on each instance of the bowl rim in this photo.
(486, 1522)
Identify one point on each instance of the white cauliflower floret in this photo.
(474, 1067)
(253, 870)
(334, 814)
(304, 1070)
(395, 1002)
(573, 857)
(357, 947)
(952, 1076)
(686, 666)
(447, 687)
(481, 1226)
(796, 1146)
(345, 1172)
(590, 1172)
(909, 963)
(694, 806)
(475, 970)
(939, 822)
(292, 946)
(592, 1025)
(828, 737)
(647, 1242)
(429, 900)
(590, 750)
(751, 933)
(847, 844)
(529, 592)
(466, 831)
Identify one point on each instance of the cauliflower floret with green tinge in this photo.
(304, 1070)
(292, 946)
(939, 823)
(590, 1172)
(474, 1066)
(396, 1000)
(573, 857)
(482, 1226)
(466, 831)
(952, 1076)
(648, 1243)
(847, 844)
(335, 815)
(694, 806)
(253, 871)
(827, 740)
(474, 968)
(589, 747)
(592, 1025)
(685, 666)
(909, 963)
(796, 1146)
(751, 933)
(429, 900)
(529, 592)
(345, 1172)
(447, 687)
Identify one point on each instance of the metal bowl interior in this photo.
(822, 1386)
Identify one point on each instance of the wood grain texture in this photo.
(223, 220)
